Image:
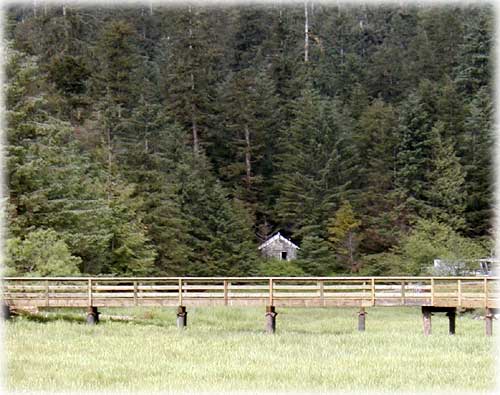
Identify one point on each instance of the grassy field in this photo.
(226, 349)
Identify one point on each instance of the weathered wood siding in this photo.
(276, 247)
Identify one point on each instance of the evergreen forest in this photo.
(164, 140)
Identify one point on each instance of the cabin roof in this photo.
(279, 237)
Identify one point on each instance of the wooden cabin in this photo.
(279, 247)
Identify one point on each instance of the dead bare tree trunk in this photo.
(110, 159)
(194, 126)
(190, 10)
(306, 29)
(196, 143)
(144, 24)
(248, 164)
(65, 25)
(350, 243)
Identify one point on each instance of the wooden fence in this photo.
(470, 292)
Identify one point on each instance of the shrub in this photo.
(276, 267)
(40, 253)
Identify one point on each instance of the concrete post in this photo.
(92, 315)
(6, 313)
(488, 321)
(181, 317)
(361, 319)
(271, 319)
(451, 317)
(426, 314)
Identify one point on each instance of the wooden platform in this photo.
(467, 292)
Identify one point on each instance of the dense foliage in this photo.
(171, 141)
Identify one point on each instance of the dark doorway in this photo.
(283, 256)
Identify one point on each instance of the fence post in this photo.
(89, 292)
(485, 293)
(403, 292)
(6, 312)
(459, 293)
(451, 317)
(432, 291)
(488, 321)
(270, 292)
(426, 315)
(321, 293)
(47, 293)
(271, 319)
(373, 291)
(361, 319)
(181, 317)
(135, 293)
(92, 315)
(270, 310)
(181, 310)
(226, 294)
(180, 292)
(92, 312)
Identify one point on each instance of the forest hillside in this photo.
(151, 140)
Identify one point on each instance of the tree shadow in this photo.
(169, 324)
(46, 318)
(321, 332)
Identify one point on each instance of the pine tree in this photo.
(478, 162)
(130, 252)
(119, 59)
(450, 109)
(53, 184)
(414, 151)
(113, 89)
(149, 161)
(342, 233)
(474, 70)
(376, 142)
(437, 42)
(446, 193)
(219, 229)
(315, 257)
(312, 176)
(190, 69)
(249, 111)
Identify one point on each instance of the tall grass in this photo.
(227, 349)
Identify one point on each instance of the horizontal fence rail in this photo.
(467, 292)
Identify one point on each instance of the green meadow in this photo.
(226, 349)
